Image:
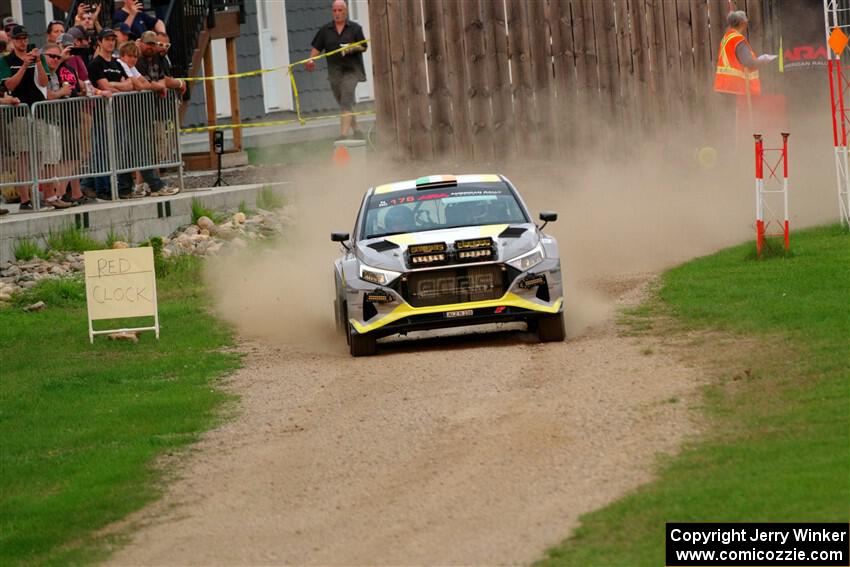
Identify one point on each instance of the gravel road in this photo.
(476, 449)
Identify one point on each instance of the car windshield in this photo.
(412, 210)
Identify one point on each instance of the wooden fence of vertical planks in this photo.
(482, 80)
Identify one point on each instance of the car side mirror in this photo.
(547, 217)
(341, 237)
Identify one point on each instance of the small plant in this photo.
(55, 292)
(72, 239)
(198, 211)
(112, 237)
(268, 200)
(243, 208)
(27, 249)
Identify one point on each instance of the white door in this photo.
(222, 86)
(359, 12)
(274, 53)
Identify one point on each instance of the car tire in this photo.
(361, 344)
(550, 328)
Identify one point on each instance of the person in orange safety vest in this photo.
(737, 64)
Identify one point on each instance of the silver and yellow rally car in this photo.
(445, 251)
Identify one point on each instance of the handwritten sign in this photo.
(120, 283)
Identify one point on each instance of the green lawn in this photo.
(778, 445)
(81, 425)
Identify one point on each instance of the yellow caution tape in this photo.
(288, 68)
(268, 123)
(273, 69)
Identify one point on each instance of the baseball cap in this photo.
(8, 22)
(149, 37)
(105, 32)
(18, 31)
(66, 39)
(123, 28)
(76, 33)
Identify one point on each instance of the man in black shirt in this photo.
(345, 69)
(108, 75)
(27, 83)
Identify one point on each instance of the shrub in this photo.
(198, 211)
(268, 200)
(72, 239)
(27, 249)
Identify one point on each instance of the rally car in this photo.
(444, 251)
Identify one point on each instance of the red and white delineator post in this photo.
(762, 207)
(836, 17)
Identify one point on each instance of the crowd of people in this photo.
(88, 59)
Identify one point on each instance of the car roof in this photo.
(436, 179)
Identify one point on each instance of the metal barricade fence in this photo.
(16, 167)
(89, 137)
(70, 139)
(146, 130)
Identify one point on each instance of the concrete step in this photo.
(134, 220)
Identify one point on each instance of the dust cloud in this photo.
(627, 208)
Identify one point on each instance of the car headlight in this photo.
(376, 275)
(528, 260)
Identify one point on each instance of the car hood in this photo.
(388, 253)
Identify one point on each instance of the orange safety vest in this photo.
(731, 76)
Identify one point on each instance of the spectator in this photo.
(345, 69)
(106, 74)
(73, 59)
(88, 18)
(4, 44)
(53, 153)
(155, 68)
(132, 13)
(8, 23)
(7, 99)
(26, 81)
(82, 47)
(55, 29)
(63, 82)
(128, 57)
(154, 65)
(123, 33)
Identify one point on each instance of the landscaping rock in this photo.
(207, 223)
(34, 307)
(239, 217)
(192, 230)
(129, 336)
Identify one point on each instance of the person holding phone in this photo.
(88, 17)
(27, 81)
(132, 13)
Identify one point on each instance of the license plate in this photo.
(463, 313)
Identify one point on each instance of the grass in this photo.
(268, 200)
(243, 208)
(82, 425)
(778, 442)
(72, 239)
(112, 237)
(198, 211)
(27, 249)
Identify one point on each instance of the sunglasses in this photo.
(52, 56)
(163, 45)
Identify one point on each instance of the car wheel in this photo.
(550, 328)
(361, 345)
